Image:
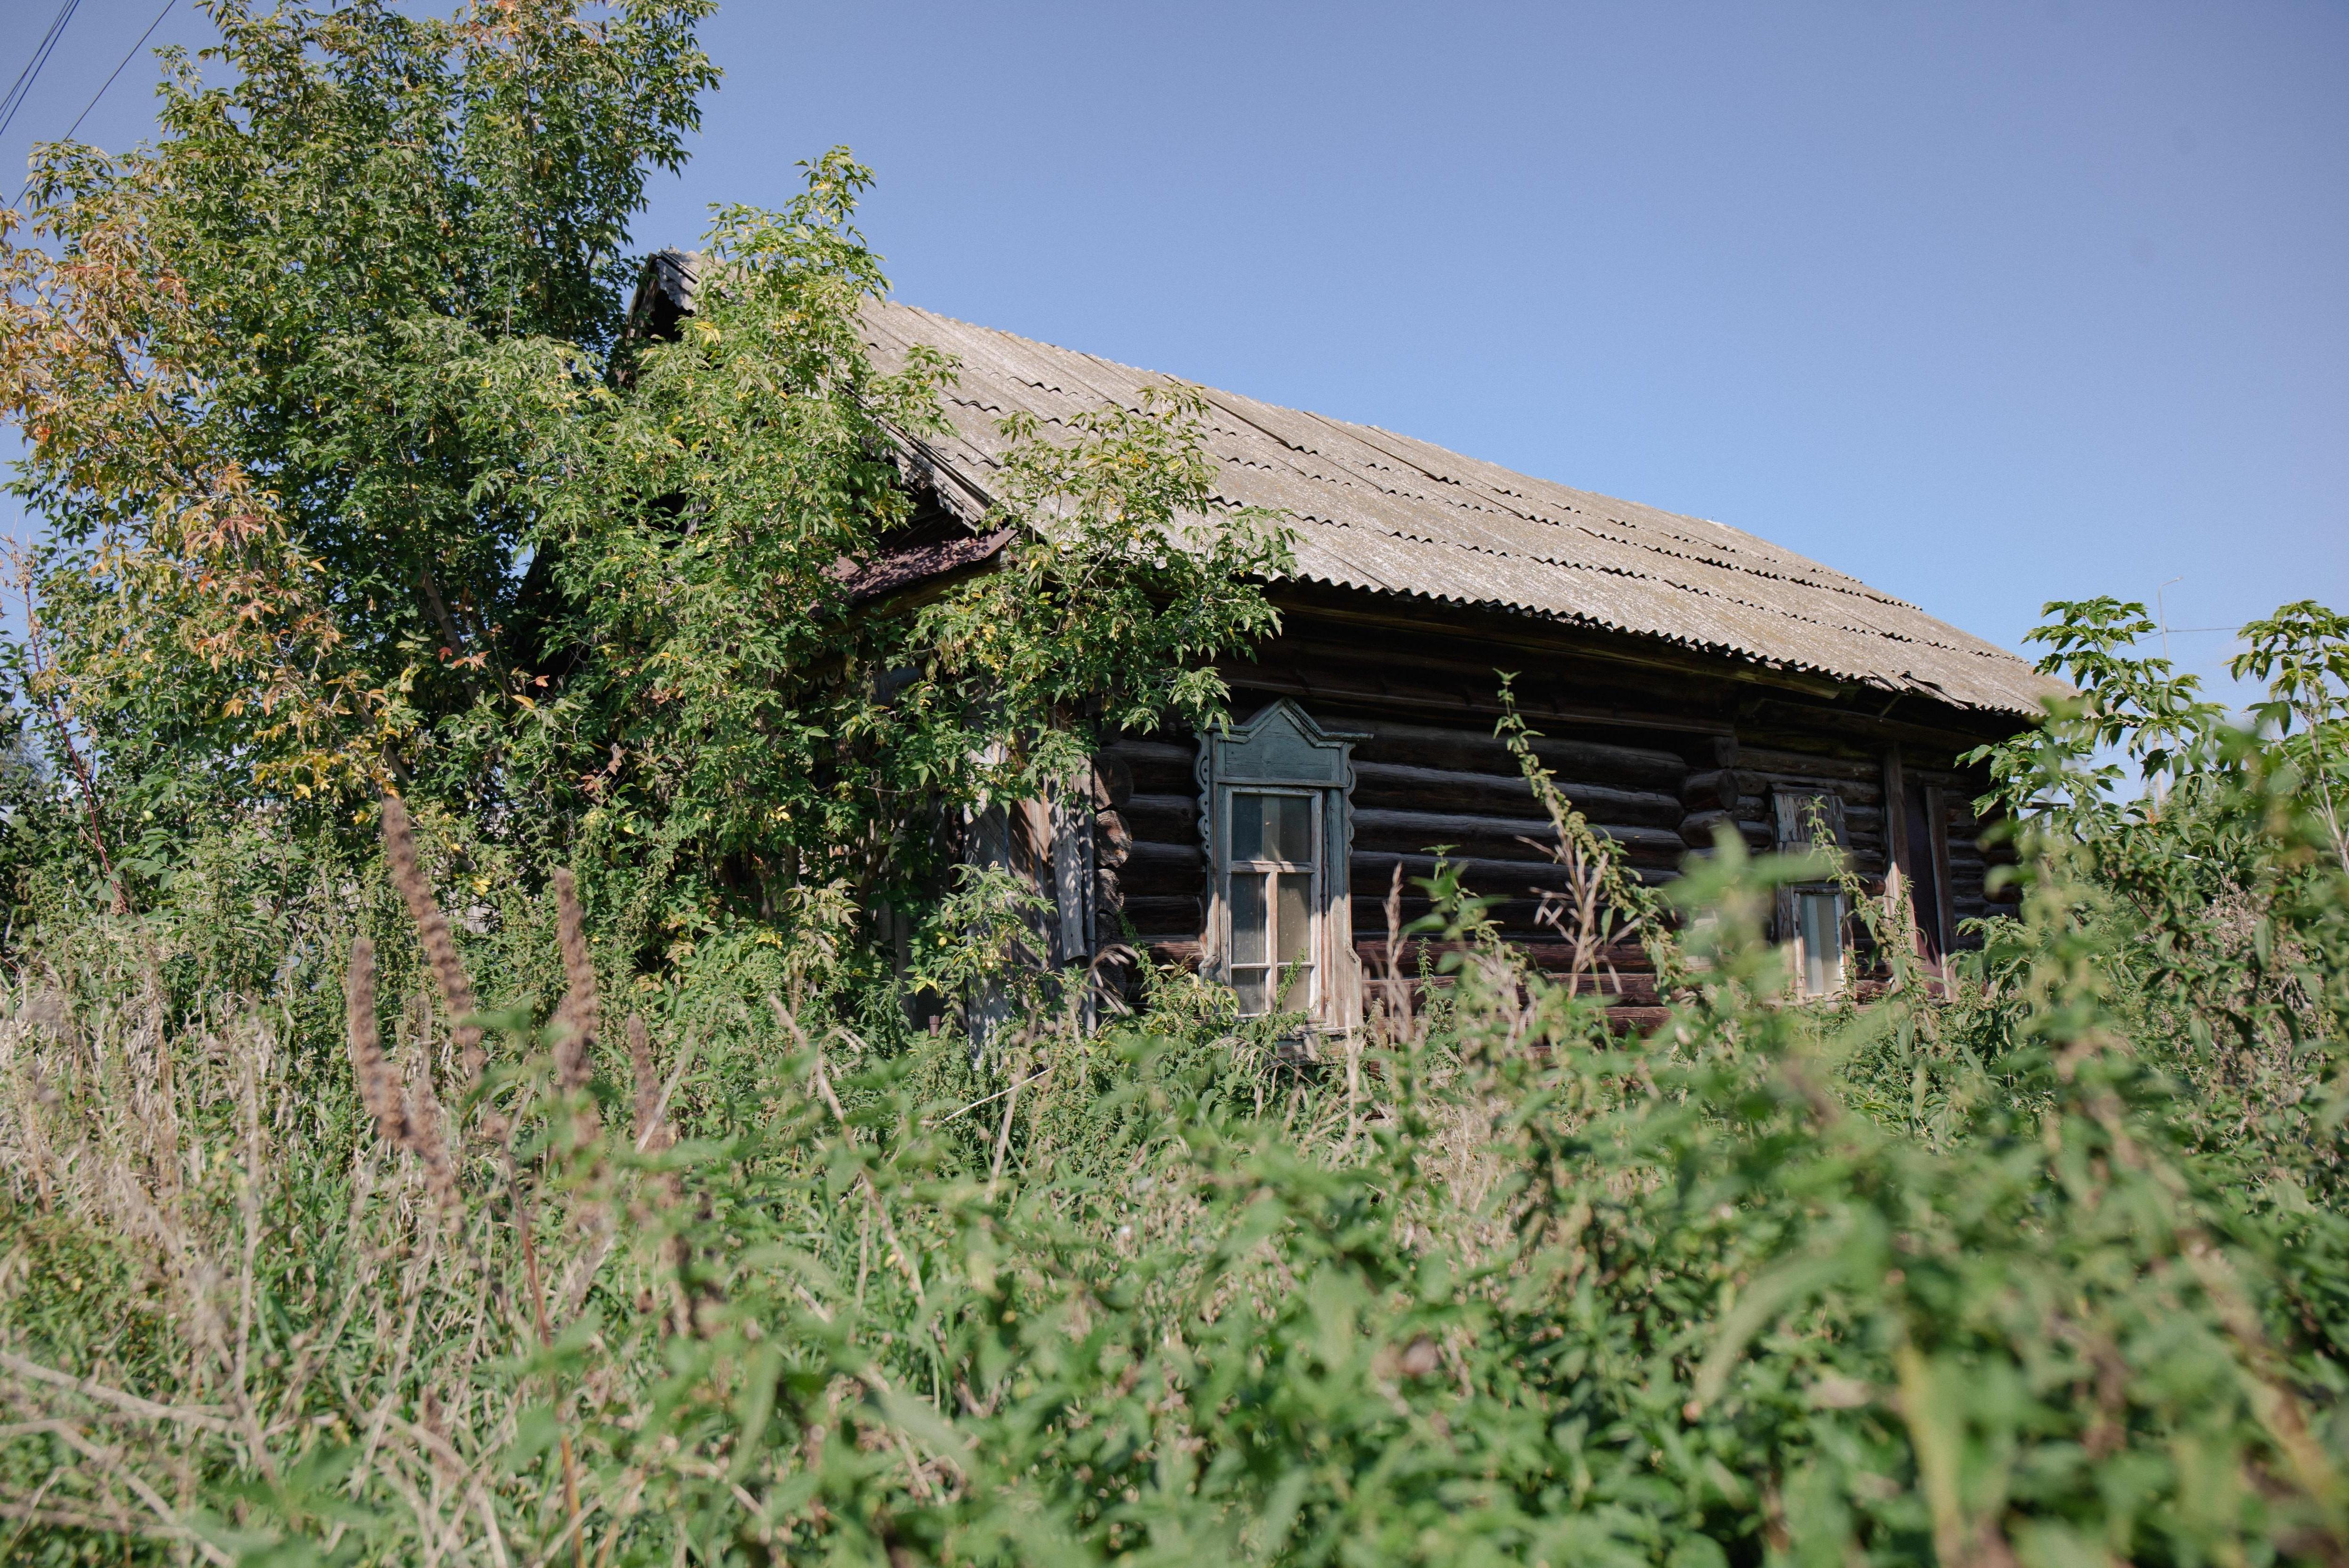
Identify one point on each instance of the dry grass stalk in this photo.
(428, 1141)
(579, 1016)
(688, 1303)
(652, 1127)
(439, 947)
(1397, 1021)
(379, 1082)
(406, 1114)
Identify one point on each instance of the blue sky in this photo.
(1984, 305)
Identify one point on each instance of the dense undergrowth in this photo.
(726, 1264)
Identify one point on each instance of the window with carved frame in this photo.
(1273, 811)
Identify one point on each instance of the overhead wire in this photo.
(22, 88)
(119, 66)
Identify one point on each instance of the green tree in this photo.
(355, 481)
(276, 371)
(740, 711)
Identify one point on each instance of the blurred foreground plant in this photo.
(1965, 1280)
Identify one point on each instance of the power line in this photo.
(23, 89)
(117, 69)
(108, 82)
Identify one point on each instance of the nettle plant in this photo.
(474, 1273)
(2219, 842)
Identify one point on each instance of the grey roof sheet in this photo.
(1376, 511)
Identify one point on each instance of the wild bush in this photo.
(710, 1266)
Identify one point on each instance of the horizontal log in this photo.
(1481, 879)
(1491, 838)
(1772, 760)
(1160, 915)
(1468, 751)
(1646, 875)
(1624, 958)
(1141, 751)
(1156, 879)
(1162, 819)
(1380, 784)
(1714, 789)
(1372, 875)
(1698, 828)
(1162, 872)
(1401, 786)
(1157, 767)
(1156, 853)
(1389, 670)
(1515, 884)
(1514, 919)
(1636, 985)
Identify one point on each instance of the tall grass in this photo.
(320, 1269)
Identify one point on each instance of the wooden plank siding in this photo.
(1656, 754)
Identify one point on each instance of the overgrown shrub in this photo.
(725, 1264)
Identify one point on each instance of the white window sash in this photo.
(1272, 969)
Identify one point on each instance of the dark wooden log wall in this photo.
(1656, 751)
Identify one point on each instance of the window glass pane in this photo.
(1274, 922)
(1249, 983)
(1924, 874)
(1822, 938)
(1248, 827)
(1291, 825)
(1295, 927)
(1293, 933)
(1247, 918)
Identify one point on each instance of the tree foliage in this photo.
(354, 480)
(273, 370)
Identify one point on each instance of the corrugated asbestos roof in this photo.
(1393, 515)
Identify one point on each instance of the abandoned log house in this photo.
(1684, 675)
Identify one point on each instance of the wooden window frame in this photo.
(1313, 867)
(1801, 943)
(1791, 813)
(1283, 750)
